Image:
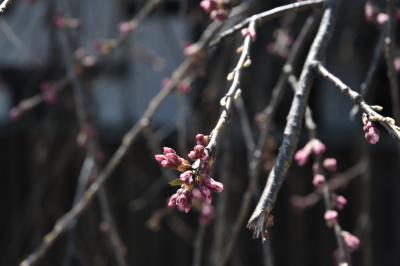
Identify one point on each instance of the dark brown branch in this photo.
(255, 151)
(260, 216)
(371, 111)
(268, 15)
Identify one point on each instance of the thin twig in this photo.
(387, 122)
(198, 245)
(262, 214)
(268, 15)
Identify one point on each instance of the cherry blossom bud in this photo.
(207, 214)
(382, 18)
(181, 202)
(201, 139)
(215, 186)
(172, 200)
(330, 164)
(318, 147)
(318, 180)
(301, 156)
(249, 32)
(340, 202)
(370, 12)
(351, 241)
(206, 194)
(168, 150)
(208, 5)
(331, 216)
(173, 159)
(126, 27)
(371, 132)
(184, 88)
(186, 177)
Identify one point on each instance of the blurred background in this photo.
(54, 50)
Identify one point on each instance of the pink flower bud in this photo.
(182, 203)
(186, 177)
(301, 156)
(168, 150)
(172, 200)
(159, 158)
(207, 214)
(208, 5)
(340, 202)
(351, 241)
(330, 164)
(192, 155)
(318, 147)
(184, 88)
(199, 148)
(382, 18)
(371, 132)
(126, 27)
(201, 139)
(173, 159)
(318, 181)
(215, 186)
(249, 32)
(331, 216)
(59, 21)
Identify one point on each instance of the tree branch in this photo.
(258, 221)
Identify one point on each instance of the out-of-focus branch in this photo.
(268, 15)
(65, 221)
(370, 111)
(262, 214)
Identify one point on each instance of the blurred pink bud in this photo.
(382, 18)
(396, 64)
(207, 214)
(331, 216)
(340, 202)
(219, 15)
(182, 203)
(59, 21)
(172, 200)
(208, 5)
(318, 180)
(330, 164)
(126, 27)
(351, 241)
(215, 186)
(371, 132)
(201, 139)
(14, 114)
(318, 147)
(184, 88)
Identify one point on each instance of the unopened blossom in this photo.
(249, 32)
(371, 132)
(215, 8)
(331, 216)
(314, 146)
(318, 181)
(208, 5)
(370, 12)
(207, 214)
(301, 157)
(196, 184)
(330, 164)
(340, 202)
(318, 147)
(126, 27)
(14, 113)
(382, 18)
(48, 92)
(351, 241)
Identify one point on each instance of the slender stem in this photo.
(261, 215)
(268, 15)
(387, 122)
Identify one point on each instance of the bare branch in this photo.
(268, 15)
(387, 122)
(259, 219)
(5, 5)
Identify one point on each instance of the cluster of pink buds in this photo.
(217, 9)
(314, 146)
(351, 241)
(370, 130)
(195, 183)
